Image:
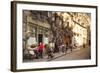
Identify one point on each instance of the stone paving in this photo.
(56, 56)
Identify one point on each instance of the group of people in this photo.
(38, 51)
(64, 48)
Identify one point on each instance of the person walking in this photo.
(40, 50)
(49, 52)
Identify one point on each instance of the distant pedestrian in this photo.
(49, 52)
(62, 48)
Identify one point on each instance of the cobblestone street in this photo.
(76, 54)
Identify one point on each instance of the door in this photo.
(40, 38)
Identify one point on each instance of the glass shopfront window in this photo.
(32, 36)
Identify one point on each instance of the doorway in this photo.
(40, 38)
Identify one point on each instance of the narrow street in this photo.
(56, 30)
(76, 54)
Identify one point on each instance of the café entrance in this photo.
(40, 38)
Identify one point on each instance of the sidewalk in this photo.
(60, 54)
